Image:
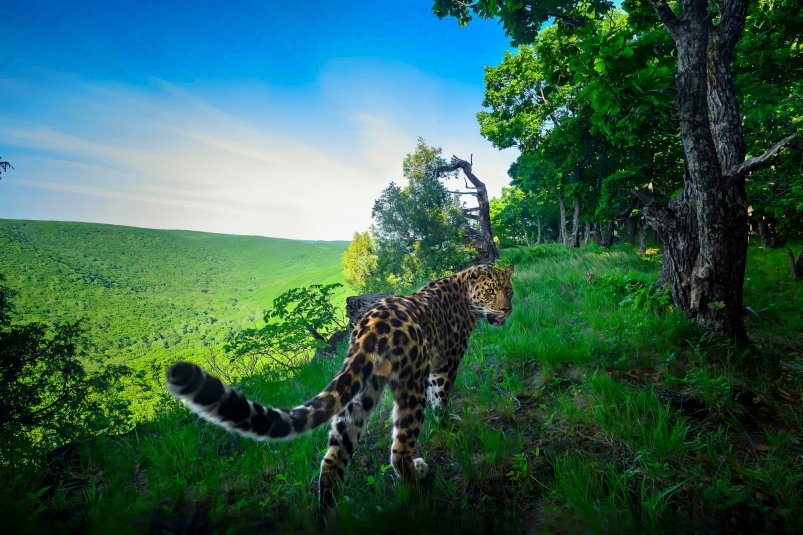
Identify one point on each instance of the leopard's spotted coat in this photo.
(411, 343)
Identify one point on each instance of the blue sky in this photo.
(271, 118)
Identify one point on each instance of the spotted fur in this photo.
(413, 344)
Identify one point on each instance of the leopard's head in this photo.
(490, 293)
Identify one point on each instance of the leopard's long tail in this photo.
(217, 402)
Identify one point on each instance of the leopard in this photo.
(412, 344)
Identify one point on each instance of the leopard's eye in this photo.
(489, 291)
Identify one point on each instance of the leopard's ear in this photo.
(509, 270)
(474, 272)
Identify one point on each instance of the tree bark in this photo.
(538, 241)
(707, 247)
(705, 85)
(358, 305)
(767, 231)
(563, 236)
(642, 236)
(487, 253)
(796, 268)
(595, 233)
(678, 220)
(611, 234)
(576, 222)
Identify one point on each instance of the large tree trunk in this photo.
(706, 254)
(563, 236)
(678, 220)
(768, 231)
(631, 226)
(795, 267)
(763, 232)
(538, 241)
(576, 222)
(642, 236)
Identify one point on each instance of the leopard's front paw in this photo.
(421, 468)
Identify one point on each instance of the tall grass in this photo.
(573, 417)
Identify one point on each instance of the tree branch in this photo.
(454, 165)
(315, 334)
(756, 162)
(646, 197)
(458, 163)
(474, 193)
(656, 212)
(733, 14)
(667, 16)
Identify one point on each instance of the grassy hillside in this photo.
(150, 297)
(154, 293)
(596, 408)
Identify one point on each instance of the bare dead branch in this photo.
(486, 249)
(474, 193)
(756, 162)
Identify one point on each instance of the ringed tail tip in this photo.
(183, 377)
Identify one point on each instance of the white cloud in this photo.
(168, 156)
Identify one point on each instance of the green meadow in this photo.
(596, 409)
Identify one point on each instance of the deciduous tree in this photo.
(52, 389)
(706, 225)
(301, 322)
(360, 263)
(419, 227)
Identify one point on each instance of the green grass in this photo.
(151, 297)
(596, 408)
(146, 293)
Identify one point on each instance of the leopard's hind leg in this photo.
(344, 434)
(440, 382)
(408, 416)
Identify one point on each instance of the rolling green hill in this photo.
(149, 295)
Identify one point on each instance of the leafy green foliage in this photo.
(52, 389)
(360, 263)
(301, 322)
(590, 104)
(638, 292)
(588, 107)
(518, 216)
(419, 229)
(522, 20)
(767, 74)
